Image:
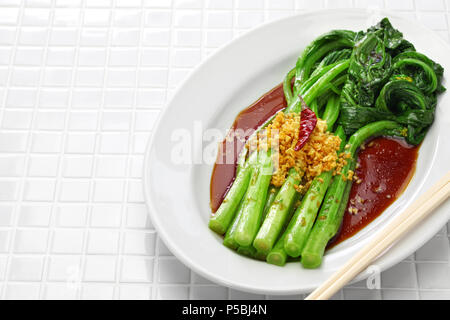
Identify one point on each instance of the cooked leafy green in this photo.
(392, 38)
(320, 48)
(389, 80)
(425, 73)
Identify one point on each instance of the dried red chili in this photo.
(308, 121)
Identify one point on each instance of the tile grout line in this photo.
(124, 209)
(43, 228)
(203, 28)
(11, 63)
(22, 178)
(96, 152)
(256, 9)
(3, 108)
(169, 64)
(46, 255)
(60, 166)
(214, 285)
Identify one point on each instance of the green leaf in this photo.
(389, 80)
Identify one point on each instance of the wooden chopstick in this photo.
(417, 211)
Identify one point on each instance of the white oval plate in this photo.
(235, 76)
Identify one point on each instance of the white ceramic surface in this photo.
(234, 77)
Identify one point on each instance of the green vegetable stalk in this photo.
(328, 221)
(221, 220)
(254, 201)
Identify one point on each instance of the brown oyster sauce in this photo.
(385, 167)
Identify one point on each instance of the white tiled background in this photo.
(81, 84)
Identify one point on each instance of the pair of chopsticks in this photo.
(416, 212)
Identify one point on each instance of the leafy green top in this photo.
(389, 80)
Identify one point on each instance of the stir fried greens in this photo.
(362, 84)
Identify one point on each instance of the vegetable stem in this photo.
(278, 255)
(327, 223)
(277, 214)
(287, 85)
(303, 219)
(254, 201)
(220, 221)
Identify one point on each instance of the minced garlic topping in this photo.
(319, 154)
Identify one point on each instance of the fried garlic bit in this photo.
(319, 154)
(341, 162)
